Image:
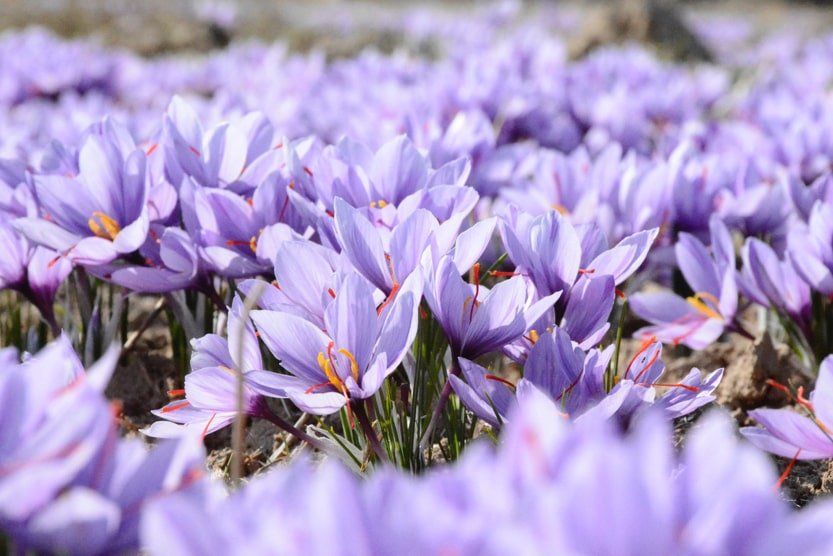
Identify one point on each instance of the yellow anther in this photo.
(326, 365)
(697, 302)
(533, 337)
(381, 203)
(354, 366)
(253, 244)
(103, 226)
(560, 209)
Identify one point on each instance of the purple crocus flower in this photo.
(700, 319)
(793, 435)
(172, 263)
(772, 282)
(574, 380)
(477, 320)
(106, 216)
(805, 197)
(35, 272)
(549, 250)
(387, 186)
(233, 155)
(306, 276)
(811, 249)
(635, 389)
(387, 257)
(67, 483)
(236, 238)
(210, 391)
(349, 359)
(52, 427)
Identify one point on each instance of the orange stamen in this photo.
(103, 226)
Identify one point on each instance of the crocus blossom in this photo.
(699, 319)
(362, 343)
(802, 434)
(106, 216)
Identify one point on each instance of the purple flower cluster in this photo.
(542, 491)
(415, 246)
(68, 483)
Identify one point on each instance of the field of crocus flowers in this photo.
(459, 291)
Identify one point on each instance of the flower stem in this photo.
(611, 379)
(264, 412)
(367, 428)
(438, 409)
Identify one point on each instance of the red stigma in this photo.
(388, 299)
(331, 292)
(176, 393)
(787, 471)
(308, 171)
(799, 397)
(283, 208)
(570, 387)
(688, 387)
(475, 278)
(778, 386)
(54, 261)
(193, 150)
(499, 379)
(646, 343)
(647, 366)
(389, 262)
(175, 407)
(620, 294)
(208, 424)
(316, 387)
(502, 274)
(586, 271)
(151, 149)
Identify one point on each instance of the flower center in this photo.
(327, 364)
(698, 301)
(103, 226)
